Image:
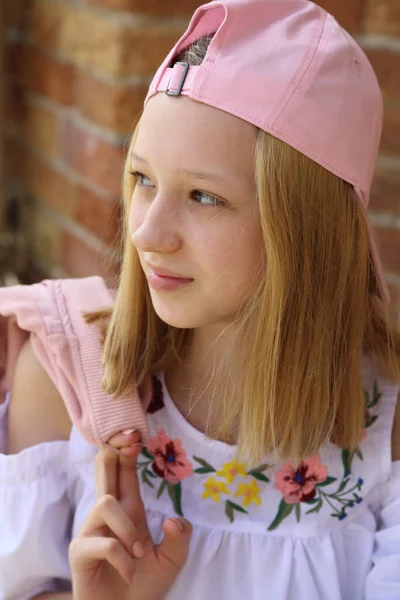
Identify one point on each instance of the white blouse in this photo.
(328, 531)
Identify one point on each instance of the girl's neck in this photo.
(190, 383)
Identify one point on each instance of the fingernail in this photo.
(177, 521)
(138, 549)
(128, 431)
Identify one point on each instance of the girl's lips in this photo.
(161, 282)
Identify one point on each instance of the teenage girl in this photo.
(251, 294)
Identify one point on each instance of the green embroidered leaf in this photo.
(205, 464)
(284, 511)
(175, 493)
(327, 481)
(259, 469)
(298, 512)
(316, 508)
(237, 507)
(347, 457)
(229, 511)
(230, 507)
(342, 485)
(161, 488)
(376, 396)
(359, 453)
(312, 501)
(371, 421)
(144, 464)
(259, 476)
(151, 474)
(145, 478)
(202, 470)
(147, 454)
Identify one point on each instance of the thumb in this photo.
(175, 546)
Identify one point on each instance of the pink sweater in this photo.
(70, 351)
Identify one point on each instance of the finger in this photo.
(174, 548)
(107, 512)
(106, 466)
(129, 491)
(86, 552)
(120, 440)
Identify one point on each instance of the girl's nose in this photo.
(155, 230)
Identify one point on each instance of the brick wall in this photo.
(77, 73)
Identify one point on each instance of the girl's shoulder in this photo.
(36, 412)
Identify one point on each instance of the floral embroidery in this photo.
(171, 461)
(231, 469)
(299, 486)
(167, 461)
(249, 492)
(304, 486)
(214, 488)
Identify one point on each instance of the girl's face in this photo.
(194, 209)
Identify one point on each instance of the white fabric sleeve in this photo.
(35, 519)
(383, 581)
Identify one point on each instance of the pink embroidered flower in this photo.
(171, 462)
(363, 436)
(299, 486)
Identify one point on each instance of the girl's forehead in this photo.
(178, 128)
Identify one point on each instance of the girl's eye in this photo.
(197, 195)
(213, 201)
(140, 177)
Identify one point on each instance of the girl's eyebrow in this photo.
(196, 174)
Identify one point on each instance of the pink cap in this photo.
(291, 70)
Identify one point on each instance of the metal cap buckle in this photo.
(179, 87)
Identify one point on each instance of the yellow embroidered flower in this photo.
(249, 492)
(231, 469)
(214, 488)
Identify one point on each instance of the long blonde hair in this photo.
(291, 380)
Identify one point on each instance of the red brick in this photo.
(80, 260)
(16, 13)
(94, 41)
(41, 129)
(45, 24)
(387, 67)
(28, 120)
(14, 158)
(120, 103)
(385, 192)
(96, 159)
(391, 130)
(389, 243)
(99, 216)
(146, 48)
(49, 186)
(348, 13)
(45, 237)
(164, 8)
(383, 16)
(16, 59)
(50, 77)
(15, 108)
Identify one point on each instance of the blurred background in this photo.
(74, 74)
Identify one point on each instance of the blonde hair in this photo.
(291, 380)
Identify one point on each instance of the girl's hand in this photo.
(113, 555)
